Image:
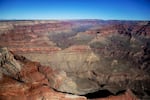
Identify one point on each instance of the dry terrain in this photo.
(74, 60)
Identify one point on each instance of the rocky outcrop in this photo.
(35, 82)
(25, 80)
(13, 90)
(8, 64)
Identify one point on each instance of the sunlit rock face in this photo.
(28, 82)
(79, 57)
(34, 82)
(6, 59)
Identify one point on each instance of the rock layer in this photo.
(28, 83)
(34, 82)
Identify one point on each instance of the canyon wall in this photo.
(82, 56)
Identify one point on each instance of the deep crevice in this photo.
(94, 95)
(120, 92)
(98, 94)
(62, 91)
(147, 92)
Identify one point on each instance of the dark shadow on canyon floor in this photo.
(98, 94)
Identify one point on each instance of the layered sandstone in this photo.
(28, 82)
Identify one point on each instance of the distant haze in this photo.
(75, 9)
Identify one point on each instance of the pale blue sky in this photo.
(75, 9)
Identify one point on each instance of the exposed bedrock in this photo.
(22, 79)
(114, 62)
(109, 56)
(35, 82)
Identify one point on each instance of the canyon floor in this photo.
(74, 60)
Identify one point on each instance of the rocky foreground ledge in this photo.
(21, 79)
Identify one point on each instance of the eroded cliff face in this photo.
(22, 79)
(84, 56)
(36, 82)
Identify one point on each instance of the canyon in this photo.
(74, 60)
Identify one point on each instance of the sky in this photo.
(75, 9)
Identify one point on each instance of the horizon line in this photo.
(76, 19)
